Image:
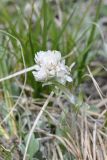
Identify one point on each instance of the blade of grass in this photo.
(2, 53)
(84, 55)
(56, 41)
(45, 25)
(83, 17)
(7, 93)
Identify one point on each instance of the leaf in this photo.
(33, 146)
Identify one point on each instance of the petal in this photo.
(68, 78)
(57, 55)
(37, 67)
(52, 73)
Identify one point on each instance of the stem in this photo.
(66, 91)
(36, 122)
(18, 73)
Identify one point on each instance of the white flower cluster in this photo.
(49, 65)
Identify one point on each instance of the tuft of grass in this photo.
(82, 60)
(7, 93)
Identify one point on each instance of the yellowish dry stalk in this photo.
(4, 133)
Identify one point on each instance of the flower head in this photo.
(49, 65)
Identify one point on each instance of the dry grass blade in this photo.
(54, 156)
(85, 152)
(36, 122)
(94, 141)
(98, 90)
(102, 103)
(72, 142)
(89, 149)
(95, 84)
(59, 151)
(71, 147)
(102, 146)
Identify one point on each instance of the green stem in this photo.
(66, 91)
